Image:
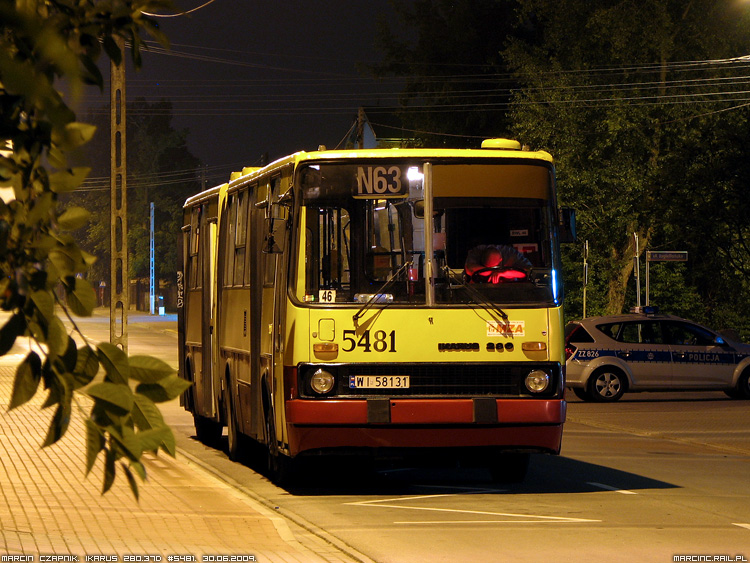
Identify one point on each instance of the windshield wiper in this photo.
(479, 299)
(378, 294)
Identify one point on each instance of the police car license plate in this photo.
(378, 381)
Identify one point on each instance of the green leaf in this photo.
(26, 383)
(82, 299)
(94, 74)
(169, 444)
(45, 303)
(65, 181)
(88, 258)
(73, 218)
(57, 337)
(70, 356)
(35, 329)
(165, 389)
(117, 395)
(62, 261)
(112, 50)
(115, 363)
(109, 469)
(87, 366)
(94, 443)
(15, 327)
(151, 440)
(73, 135)
(59, 423)
(127, 441)
(42, 206)
(67, 259)
(131, 481)
(59, 382)
(146, 414)
(57, 157)
(104, 417)
(148, 369)
(139, 469)
(154, 31)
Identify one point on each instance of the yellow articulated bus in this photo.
(378, 302)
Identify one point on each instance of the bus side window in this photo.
(249, 218)
(194, 280)
(240, 237)
(229, 241)
(328, 246)
(384, 240)
(270, 259)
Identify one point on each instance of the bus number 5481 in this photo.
(380, 341)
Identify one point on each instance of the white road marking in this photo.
(470, 490)
(515, 518)
(609, 488)
(741, 525)
(417, 522)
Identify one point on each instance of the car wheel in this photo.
(606, 385)
(742, 390)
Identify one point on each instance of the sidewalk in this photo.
(48, 507)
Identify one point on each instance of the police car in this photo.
(648, 351)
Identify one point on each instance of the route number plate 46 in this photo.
(378, 381)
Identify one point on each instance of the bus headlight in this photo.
(537, 381)
(322, 382)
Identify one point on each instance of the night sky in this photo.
(249, 77)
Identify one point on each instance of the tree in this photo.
(643, 109)
(44, 42)
(161, 169)
(709, 213)
(606, 91)
(449, 54)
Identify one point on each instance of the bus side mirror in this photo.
(568, 224)
(275, 237)
(419, 209)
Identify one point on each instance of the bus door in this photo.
(198, 308)
(208, 252)
(266, 297)
(274, 250)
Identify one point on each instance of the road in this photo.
(649, 478)
(643, 480)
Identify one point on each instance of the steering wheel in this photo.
(478, 277)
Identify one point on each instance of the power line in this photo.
(179, 13)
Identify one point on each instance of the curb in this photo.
(273, 512)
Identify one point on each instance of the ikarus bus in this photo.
(379, 302)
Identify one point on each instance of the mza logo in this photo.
(509, 328)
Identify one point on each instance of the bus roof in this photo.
(345, 154)
(205, 195)
(497, 148)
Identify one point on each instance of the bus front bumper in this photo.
(523, 424)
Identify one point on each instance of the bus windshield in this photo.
(364, 233)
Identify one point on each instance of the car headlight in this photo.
(537, 381)
(322, 382)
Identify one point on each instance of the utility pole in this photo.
(585, 274)
(151, 265)
(637, 270)
(118, 240)
(361, 128)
